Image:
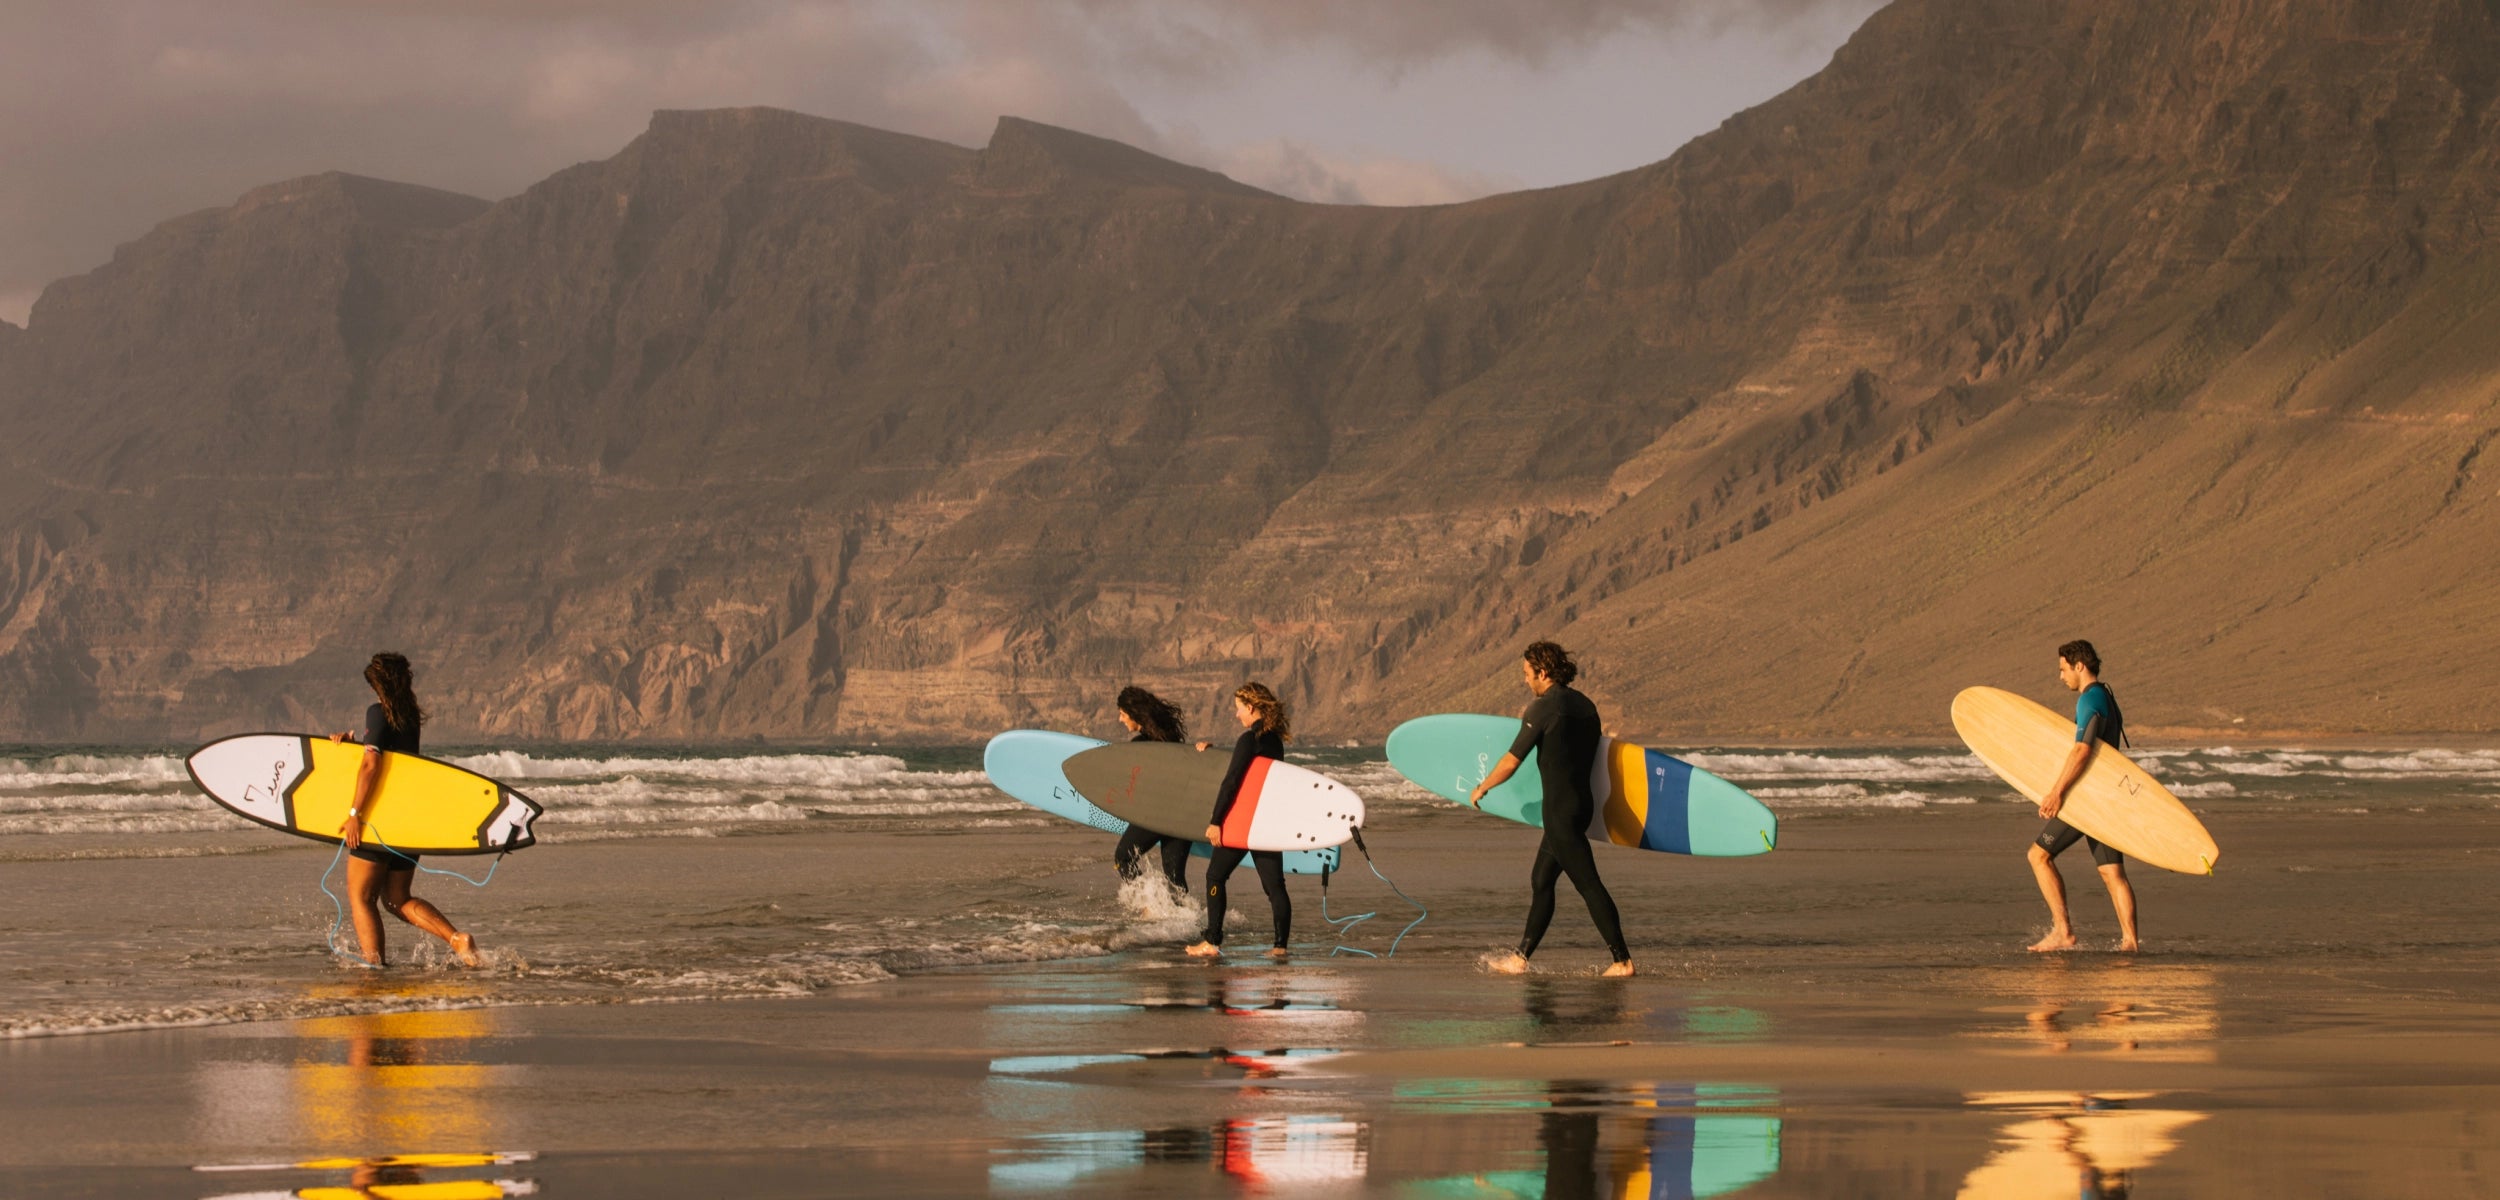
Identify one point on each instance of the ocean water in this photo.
(128, 900)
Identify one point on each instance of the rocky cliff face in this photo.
(2018, 323)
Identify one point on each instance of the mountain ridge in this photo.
(2014, 324)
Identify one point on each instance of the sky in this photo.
(118, 114)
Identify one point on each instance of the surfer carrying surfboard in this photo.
(1561, 727)
(1152, 719)
(1264, 728)
(2097, 722)
(379, 878)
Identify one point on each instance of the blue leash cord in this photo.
(338, 907)
(1346, 923)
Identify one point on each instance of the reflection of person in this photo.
(379, 878)
(1264, 728)
(1151, 719)
(2097, 722)
(1561, 727)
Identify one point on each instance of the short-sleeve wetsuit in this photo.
(380, 734)
(2097, 719)
(1253, 744)
(1562, 727)
(1130, 855)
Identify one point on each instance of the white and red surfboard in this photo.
(1170, 789)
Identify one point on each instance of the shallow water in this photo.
(134, 902)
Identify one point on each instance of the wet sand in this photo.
(1851, 1016)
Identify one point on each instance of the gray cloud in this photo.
(116, 114)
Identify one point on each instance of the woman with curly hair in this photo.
(1264, 731)
(1152, 719)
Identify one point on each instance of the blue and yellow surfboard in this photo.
(1647, 799)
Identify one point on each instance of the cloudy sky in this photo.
(116, 114)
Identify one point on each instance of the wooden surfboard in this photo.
(1026, 764)
(2115, 801)
(1647, 799)
(302, 785)
(1171, 789)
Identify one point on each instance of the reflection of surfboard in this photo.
(2057, 1157)
(1649, 799)
(395, 1177)
(303, 785)
(1171, 789)
(1259, 1153)
(449, 1189)
(2115, 801)
(1682, 1158)
(1026, 764)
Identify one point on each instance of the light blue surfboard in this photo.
(1647, 799)
(1025, 764)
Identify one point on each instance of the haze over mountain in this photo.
(2168, 326)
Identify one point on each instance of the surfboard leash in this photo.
(338, 907)
(1420, 911)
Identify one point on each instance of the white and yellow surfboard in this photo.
(303, 785)
(2115, 801)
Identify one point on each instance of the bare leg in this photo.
(2052, 889)
(2122, 899)
(423, 915)
(364, 891)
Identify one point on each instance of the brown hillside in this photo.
(2018, 322)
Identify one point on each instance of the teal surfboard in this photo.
(1028, 765)
(1647, 799)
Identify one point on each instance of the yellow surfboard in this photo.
(421, 805)
(2115, 801)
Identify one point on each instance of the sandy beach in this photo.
(1853, 1015)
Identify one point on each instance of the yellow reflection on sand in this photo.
(2072, 1145)
(366, 1087)
(404, 1082)
(2164, 1013)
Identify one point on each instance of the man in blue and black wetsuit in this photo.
(2097, 723)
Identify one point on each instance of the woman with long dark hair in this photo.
(1150, 718)
(1265, 728)
(378, 877)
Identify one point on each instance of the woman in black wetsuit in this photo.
(1264, 728)
(378, 878)
(1561, 726)
(1151, 720)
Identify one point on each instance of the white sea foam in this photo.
(1926, 768)
(2203, 791)
(2441, 764)
(1850, 795)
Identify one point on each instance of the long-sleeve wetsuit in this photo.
(1561, 726)
(1253, 744)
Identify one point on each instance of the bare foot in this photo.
(2128, 946)
(1203, 950)
(2058, 939)
(1277, 952)
(1621, 970)
(1508, 964)
(465, 946)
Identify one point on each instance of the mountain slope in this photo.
(2019, 322)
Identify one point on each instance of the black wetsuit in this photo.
(1130, 854)
(1562, 727)
(381, 736)
(1254, 743)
